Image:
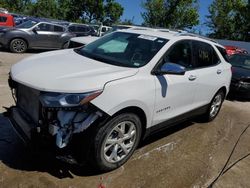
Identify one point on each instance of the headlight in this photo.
(67, 100)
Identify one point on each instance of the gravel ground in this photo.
(188, 155)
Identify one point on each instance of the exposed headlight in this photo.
(68, 100)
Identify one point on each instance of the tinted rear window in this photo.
(3, 19)
(82, 29)
(223, 53)
(72, 28)
(204, 54)
(58, 28)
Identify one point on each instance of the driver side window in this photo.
(180, 53)
(44, 27)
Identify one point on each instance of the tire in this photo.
(214, 106)
(65, 45)
(115, 142)
(18, 46)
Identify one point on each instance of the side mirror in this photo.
(171, 68)
(35, 29)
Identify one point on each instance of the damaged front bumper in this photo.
(33, 119)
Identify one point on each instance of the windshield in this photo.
(27, 24)
(124, 49)
(240, 61)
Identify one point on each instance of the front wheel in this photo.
(214, 106)
(115, 142)
(18, 46)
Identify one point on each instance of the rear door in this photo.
(42, 35)
(49, 35)
(209, 71)
(56, 36)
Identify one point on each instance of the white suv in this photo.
(99, 101)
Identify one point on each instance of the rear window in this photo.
(82, 29)
(58, 28)
(72, 28)
(204, 54)
(3, 19)
(223, 52)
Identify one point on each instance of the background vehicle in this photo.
(82, 41)
(19, 19)
(81, 29)
(6, 20)
(235, 50)
(35, 34)
(240, 85)
(3, 10)
(94, 98)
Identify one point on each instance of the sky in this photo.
(133, 9)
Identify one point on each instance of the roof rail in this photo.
(196, 35)
(158, 29)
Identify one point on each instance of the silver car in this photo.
(35, 34)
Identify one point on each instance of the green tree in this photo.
(229, 19)
(127, 21)
(178, 14)
(17, 6)
(89, 11)
(92, 10)
(112, 12)
(45, 8)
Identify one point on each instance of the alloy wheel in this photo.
(119, 142)
(215, 106)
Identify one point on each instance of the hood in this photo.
(239, 73)
(67, 72)
(84, 40)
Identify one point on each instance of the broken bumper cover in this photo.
(29, 131)
(46, 116)
(24, 127)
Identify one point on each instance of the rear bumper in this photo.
(23, 126)
(240, 90)
(3, 41)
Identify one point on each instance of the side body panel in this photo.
(174, 96)
(135, 91)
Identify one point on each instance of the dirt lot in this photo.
(188, 155)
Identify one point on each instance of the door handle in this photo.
(219, 71)
(192, 77)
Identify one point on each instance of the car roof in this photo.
(4, 14)
(46, 22)
(170, 34)
(78, 24)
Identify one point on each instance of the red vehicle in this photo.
(231, 50)
(6, 20)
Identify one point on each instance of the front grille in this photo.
(28, 101)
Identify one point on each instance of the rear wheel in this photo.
(115, 142)
(65, 45)
(214, 106)
(18, 46)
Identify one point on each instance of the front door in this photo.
(175, 93)
(42, 35)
